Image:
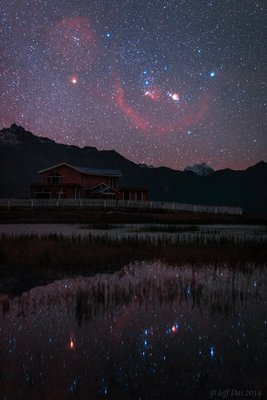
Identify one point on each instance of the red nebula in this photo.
(147, 122)
(73, 39)
(133, 115)
(153, 93)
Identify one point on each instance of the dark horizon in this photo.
(16, 126)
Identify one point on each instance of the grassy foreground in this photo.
(29, 261)
(103, 253)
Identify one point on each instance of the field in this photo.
(27, 259)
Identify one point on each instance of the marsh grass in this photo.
(80, 253)
(167, 228)
(102, 226)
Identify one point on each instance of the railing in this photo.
(113, 204)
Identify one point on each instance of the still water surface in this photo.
(148, 331)
(214, 232)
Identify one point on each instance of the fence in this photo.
(113, 204)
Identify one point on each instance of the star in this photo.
(73, 79)
(175, 97)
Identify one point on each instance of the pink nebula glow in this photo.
(147, 121)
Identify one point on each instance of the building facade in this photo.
(68, 181)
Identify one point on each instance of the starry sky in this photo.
(171, 83)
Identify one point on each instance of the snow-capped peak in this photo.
(200, 169)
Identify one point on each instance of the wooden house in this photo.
(68, 181)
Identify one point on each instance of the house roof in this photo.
(87, 171)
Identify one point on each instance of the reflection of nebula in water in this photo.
(149, 330)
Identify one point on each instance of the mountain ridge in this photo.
(226, 187)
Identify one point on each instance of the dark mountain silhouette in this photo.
(23, 154)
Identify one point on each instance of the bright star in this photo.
(173, 96)
(73, 79)
(212, 74)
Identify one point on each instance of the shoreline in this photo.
(74, 253)
(39, 257)
(96, 215)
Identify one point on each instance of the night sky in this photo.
(171, 83)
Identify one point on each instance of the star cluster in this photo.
(162, 82)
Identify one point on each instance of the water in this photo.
(148, 331)
(142, 231)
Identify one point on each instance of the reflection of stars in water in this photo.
(212, 351)
(145, 342)
(73, 386)
(71, 344)
(172, 329)
(198, 348)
